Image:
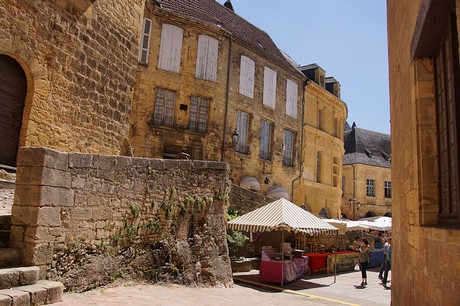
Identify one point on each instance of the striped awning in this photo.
(281, 215)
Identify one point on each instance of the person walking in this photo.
(364, 256)
(388, 266)
(385, 252)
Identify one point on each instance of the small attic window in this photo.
(260, 45)
(386, 156)
(368, 153)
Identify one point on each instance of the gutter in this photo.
(305, 83)
(227, 94)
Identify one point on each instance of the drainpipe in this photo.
(227, 96)
(305, 83)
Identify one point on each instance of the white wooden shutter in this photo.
(265, 139)
(164, 107)
(247, 70)
(288, 148)
(145, 41)
(242, 128)
(170, 48)
(269, 98)
(206, 65)
(291, 98)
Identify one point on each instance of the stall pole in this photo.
(282, 257)
(335, 259)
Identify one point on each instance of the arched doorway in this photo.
(13, 88)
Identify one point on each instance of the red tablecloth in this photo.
(270, 271)
(318, 261)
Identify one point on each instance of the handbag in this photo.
(357, 268)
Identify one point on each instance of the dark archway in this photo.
(13, 89)
(388, 214)
(370, 214)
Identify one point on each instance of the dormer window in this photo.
(386, 156)
(368, 153)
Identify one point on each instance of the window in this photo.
(318, 167)
(198, 120)
(266, 129)
(145, 41)
(387, 189)
(288, 148)
(343, 185)
(320, 119)
(206, 62)
(447, 101)
(291, 98)
(370, 192)
(269, 98)
(164, 107)
(247, 71)
(242, 128)
(170, 48)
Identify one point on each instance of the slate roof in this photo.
(210, 11)
(367, 147)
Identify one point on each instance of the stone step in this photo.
(42, 293)
(21, 276)
(10, 257)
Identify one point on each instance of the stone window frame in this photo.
(434, 22)
(163, 112)
(266, 139)
(370, 187)
(242, 128)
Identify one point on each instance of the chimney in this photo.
(228, 4)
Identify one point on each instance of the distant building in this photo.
(366, 178)
(423, 44)
(319, 187)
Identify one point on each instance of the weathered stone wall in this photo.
(244, 201)
(79, 58)
(425, 268)
(82, 216)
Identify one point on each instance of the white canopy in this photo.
(281, 215)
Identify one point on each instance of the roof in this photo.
(212, 12)
(281, 215)
(367, 147)
(310, 66)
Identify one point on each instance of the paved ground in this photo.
(310, 290)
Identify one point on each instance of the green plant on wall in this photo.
(236, 241)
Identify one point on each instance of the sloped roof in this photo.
(281, 215)
(210, 11)
(367, 147)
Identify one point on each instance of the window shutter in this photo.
(247, 70)
(269, 98)
(206, 66)
(145, 41)
(265, 139)
(288, 147)
(170, 48)
(198, 120)
(242, 127)
(291, 98)
(164, 107)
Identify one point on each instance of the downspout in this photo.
(305, 83)
(227, 96)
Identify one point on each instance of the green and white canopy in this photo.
(281, 215)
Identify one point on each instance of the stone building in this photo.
(67, 71)
(319, 187)
(424, 70)
(215, 87)
(366, 180)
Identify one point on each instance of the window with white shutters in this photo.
(164, 107)
(198, 114)
(269, 98)
(170, 48)
(242, 128)
(266, 128)
(145, 41)
(206, 62)
(291, 98)
(288, 148)
(247, 71)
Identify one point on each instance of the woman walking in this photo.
(364, 251)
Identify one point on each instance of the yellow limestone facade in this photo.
(319, 188)
(423, 50)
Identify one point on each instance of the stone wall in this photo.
(87, 219)
(79, 58)
(244, 201)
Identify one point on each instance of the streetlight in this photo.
(355, 204)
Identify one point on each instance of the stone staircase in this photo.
(20, 286)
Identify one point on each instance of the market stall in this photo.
(281, 215)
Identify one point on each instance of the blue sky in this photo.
(347, 38)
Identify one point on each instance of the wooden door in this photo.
(13, 87)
